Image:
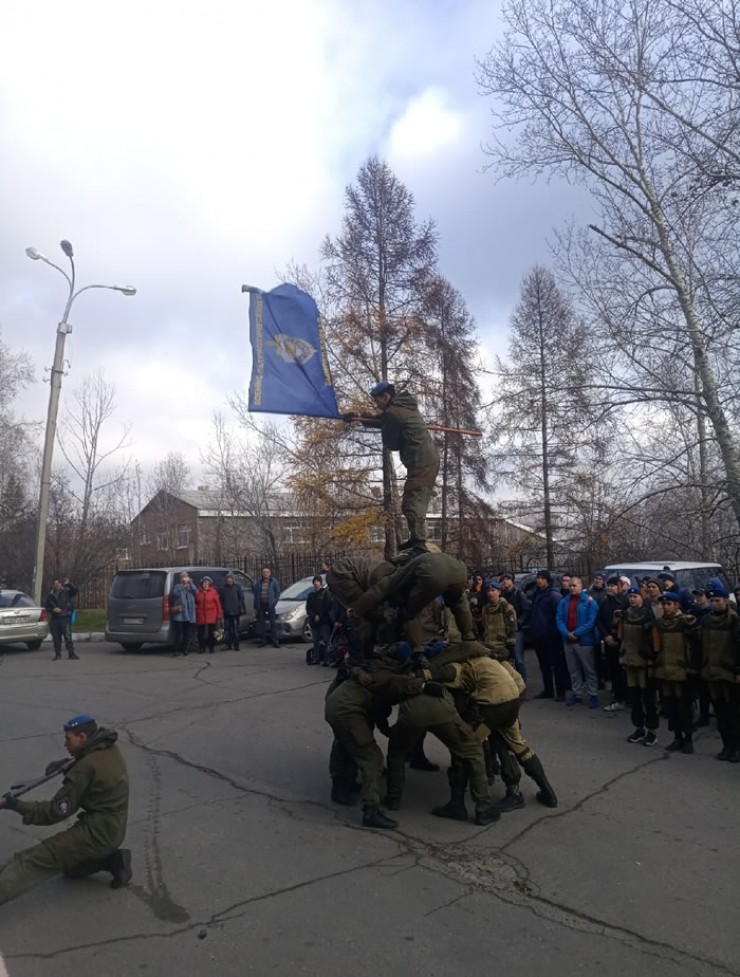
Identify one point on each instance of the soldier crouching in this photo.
(97, 786)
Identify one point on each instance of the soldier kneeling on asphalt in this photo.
(96, 783)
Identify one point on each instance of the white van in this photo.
(689, 576)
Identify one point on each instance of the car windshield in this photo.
(298, 590)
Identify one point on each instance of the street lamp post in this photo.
(63, 329)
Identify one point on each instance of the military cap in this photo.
(667, 595)
(82, 720)
(383, 387)
(634, 590)
(493, 585)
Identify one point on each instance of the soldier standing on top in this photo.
(404, 430)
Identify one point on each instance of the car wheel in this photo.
(132, 645)
(307, 633)
(33, 645)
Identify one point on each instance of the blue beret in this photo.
(494, 585)
(381, 388)
(634, 590)
(404, 651)
(670, 595)
(82, 720)
(718, 591)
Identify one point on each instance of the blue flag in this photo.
(290, 366)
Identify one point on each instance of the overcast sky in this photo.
(187, 148)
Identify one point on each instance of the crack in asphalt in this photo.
(494, 871)
(215, 920)
(500, 874)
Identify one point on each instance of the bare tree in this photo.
(544, 421)
(610, 95)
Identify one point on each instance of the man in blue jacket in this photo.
(576, 617)
(266, 596)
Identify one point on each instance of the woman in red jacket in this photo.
(207, 614)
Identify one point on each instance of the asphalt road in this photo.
(243, 866)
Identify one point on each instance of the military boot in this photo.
(512, 800)
(375, 818)
(119, 866)
(488, 815)
(455, 807)
(724, 753)
(340, 792)
(534, 769)
(734, 755)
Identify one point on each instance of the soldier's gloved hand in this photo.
(435, 689)
(10, 802)
(54, 766)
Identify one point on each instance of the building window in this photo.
(145, 537)
(163, 541)
(183, 537)
(123, 554)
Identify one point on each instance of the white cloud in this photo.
(428, 126)
(189, 148)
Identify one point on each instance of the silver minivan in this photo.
(139, 603)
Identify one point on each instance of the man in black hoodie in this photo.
(404, 430)
(546, 638)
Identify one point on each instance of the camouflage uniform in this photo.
(404, 430)
(98, 785)
(417, 584)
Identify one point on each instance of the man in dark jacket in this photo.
(266, 596)
(59, 607)
(548, 645)
(318, 611)
(403, 429)
(97, 785)
(233, 605)
(607, 624)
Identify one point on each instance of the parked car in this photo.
(292, 621)
(140, 600)
(21, 621)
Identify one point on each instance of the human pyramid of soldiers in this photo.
(458, 689)
(455, 689)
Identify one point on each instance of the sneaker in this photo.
(543, 695)
(687, 747)
(676, 745)
(614, 707)
(638, 736)
(650, 739)
(572, 700)
(593, 702)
